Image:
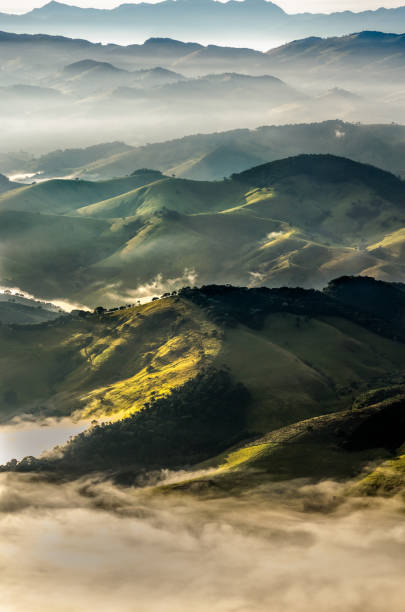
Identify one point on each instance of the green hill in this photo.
(62, 162)
(48, 255)
(297, 221)
(213, 156)
(264, 376)
(180, 195)
(65, 196)
(338, 446)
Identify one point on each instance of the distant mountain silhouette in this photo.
(245, 21)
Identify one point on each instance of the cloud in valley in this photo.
(106, 548)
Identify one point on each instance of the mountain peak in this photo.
(54, 7)
(168, 42)
(325, 168)
(89, 64)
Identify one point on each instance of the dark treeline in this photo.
(376, 305)
(328, 168)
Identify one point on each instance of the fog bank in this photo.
(82, 546)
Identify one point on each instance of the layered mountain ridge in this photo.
(201, 20)
(298, 221)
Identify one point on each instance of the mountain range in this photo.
(202, 20)
(372, 49)
(164, 89)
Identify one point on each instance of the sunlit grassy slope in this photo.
(108, 367)
(105, 368)
(326, 447)
(180, 195)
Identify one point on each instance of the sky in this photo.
(291, 6)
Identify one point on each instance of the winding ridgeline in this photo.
(255, 384)
(299, 221)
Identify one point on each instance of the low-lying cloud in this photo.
(83, 546)
(155, 288)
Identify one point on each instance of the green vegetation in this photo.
(298, 221)
(67, 161)
(251, 383)
(299, 353)
(337, 446)
(65, 196)
(190, 424)
(388, 479)
(103, 366)
(213, 156)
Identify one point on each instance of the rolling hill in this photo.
(258, 384)
(90, 66)
(65, 162)
(297, 221)
(64, 196)
(219, 89)
(213, 156)
(338, 446)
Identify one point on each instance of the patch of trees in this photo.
(385, 300)
(384, 427)
(194, 422)
(377, 396)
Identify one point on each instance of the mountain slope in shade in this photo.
(17, 309)
(90, 65)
